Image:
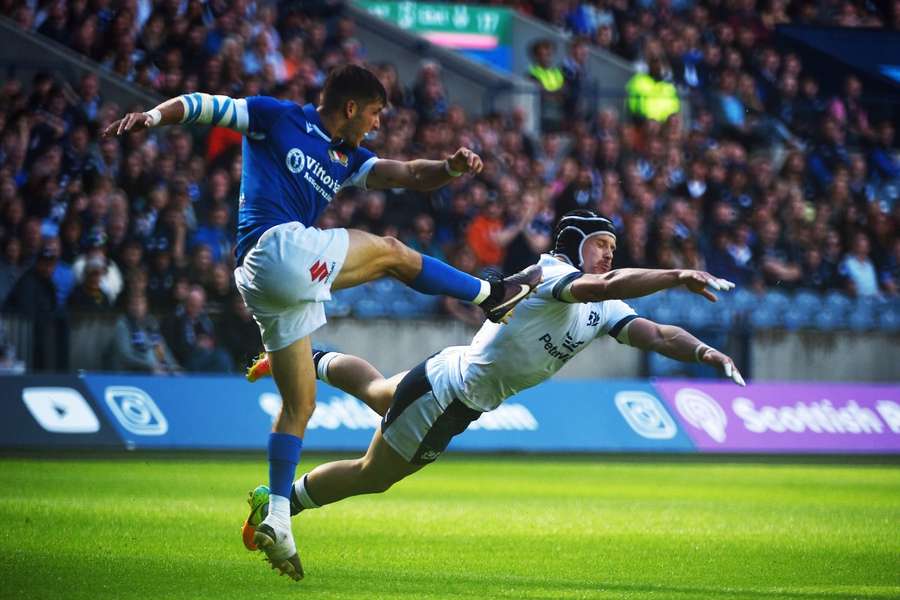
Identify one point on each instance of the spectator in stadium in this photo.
(551, 80)
(11, 267)
(486, 234)
(34, 298)
(137, 342)
(858, 269)
(111, 281)
(88, 298)
(884, 158)
(574, 70)
(650, 95)
(828, 155)
(428, 96)
(422, 240)
(776, 259)
(193, 337)
(238, 333)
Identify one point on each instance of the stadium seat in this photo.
(889, 319)
(796, 318)
(861, 319)
(807, 301)
(743, 300)
(777, 300)
(370, 309)
(829, 319)
(765, 316)
(838, 301)
(338, 308)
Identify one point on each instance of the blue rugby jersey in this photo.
(291, 169)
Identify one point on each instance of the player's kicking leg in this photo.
(371, 257)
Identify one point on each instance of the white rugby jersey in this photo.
(542, 335)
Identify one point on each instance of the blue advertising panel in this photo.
(50, 411)
(210, 412)
(578, 416)
(215, 412)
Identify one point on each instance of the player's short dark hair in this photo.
(351, 82)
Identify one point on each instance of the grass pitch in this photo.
(159, 527)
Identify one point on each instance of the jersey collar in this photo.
(314, 122)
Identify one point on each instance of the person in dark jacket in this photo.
(34, 299)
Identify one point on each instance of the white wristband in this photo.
(699, 351)
(155, 117)
(450, 171)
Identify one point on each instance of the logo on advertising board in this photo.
(135, 410)
(645, 415)
(348, 412)
(702, 412)
(60, 410)
(787, 417)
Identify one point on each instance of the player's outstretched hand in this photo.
(135, 121)
(711, 356)
(699, 281)
(465, 161)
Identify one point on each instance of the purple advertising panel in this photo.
(786, 417)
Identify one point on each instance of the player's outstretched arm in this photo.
(633, 283)
(200, 108)
(422, 175)
(676, 343)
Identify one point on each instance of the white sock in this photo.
(303, 495)
(484, 293)
(279, 511)
(322, 367)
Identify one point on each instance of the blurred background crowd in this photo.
(768, 182)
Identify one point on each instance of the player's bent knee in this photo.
(298, 410)
(397, 258)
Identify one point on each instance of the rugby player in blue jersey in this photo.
(295, 159)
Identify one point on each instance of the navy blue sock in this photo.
(440, 279)
(284, 454)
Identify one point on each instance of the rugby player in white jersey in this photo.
(579, 299)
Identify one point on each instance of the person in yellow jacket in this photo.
(551, 80)
(650, 96)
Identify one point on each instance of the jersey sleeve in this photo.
(556, 277)
(264, 111)
(363, 161)
(616, 316)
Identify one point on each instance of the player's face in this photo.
(366, 119)
(597, 253)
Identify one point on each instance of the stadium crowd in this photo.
(770, 183)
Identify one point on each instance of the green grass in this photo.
(162, 527)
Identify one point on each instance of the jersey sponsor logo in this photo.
(338, 157)
(60, 410)
(593, 319)
(702, 412)
(570, 343)
(295, 160)
(135, 410)
(645, 415)
(554, 350)
(319, 271)
(315, 174)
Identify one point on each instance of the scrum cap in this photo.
(574, 228)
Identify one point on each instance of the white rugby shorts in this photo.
(286, 277)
